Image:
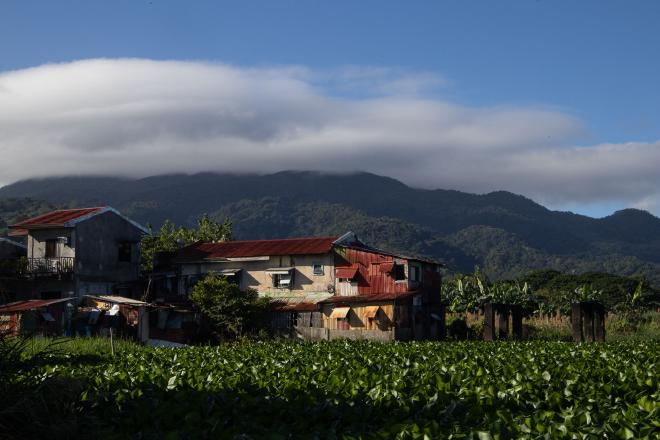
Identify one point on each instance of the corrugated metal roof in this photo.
(256, 248)
(65, 218)
(281, 306)
(12, 242)
(57, 218)
(340, 312)
(117, 299)
(346, 272)
(30, 304)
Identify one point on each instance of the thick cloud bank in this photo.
(141, 117)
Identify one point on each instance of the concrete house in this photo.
(320, 287)
(12, 257)
(75, 252)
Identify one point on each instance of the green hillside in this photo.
(504, 233)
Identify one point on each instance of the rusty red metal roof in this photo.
(282, 306)
(256, 248)
(17, 232)
(346, 272)
(30, 304)
(54, 219)
(387, 296)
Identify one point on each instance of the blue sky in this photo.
(595, 61)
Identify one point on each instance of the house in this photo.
(35, 316)
(319, 287)
(74, 252)
(12, 257)
(127, 316)
(10, 249)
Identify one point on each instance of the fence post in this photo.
(588, 321)
(443, 322)
(516, 321)
(576, 321)
(503, 318)
(112, 343)
(489, 322)
(599, 322)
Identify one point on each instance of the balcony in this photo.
(43, 267)
(49, 266)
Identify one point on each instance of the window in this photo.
(125, 251)
(414, 273)
(282, 280)
(318, 268)
(342, 324)
(51, 249)
(282, 277)
(399, 272)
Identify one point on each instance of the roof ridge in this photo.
(34, 220)
(78, 209)
(328, 237)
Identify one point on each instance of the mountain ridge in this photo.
(521, 234)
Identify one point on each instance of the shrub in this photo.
(228, 310)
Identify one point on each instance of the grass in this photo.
(96, 346)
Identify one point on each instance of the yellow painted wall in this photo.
(254, 275)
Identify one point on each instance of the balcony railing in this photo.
(22, 266)
(49, 266)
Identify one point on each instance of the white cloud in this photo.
(140, 117)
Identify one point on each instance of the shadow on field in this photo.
(251, 412)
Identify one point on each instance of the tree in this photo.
(228, 309)
(170, 237)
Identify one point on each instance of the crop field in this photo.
(278, 390)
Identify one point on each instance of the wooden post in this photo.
(516, 321)
(442, 323)
(576, 322)
(503, 318)
(489, 320)
(599, 322)
(112, 343)
(588, 321)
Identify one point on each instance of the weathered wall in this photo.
(254, 275)
(324, 334)
(370, 279)
(36, 243)
(97, 249)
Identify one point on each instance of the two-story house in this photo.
(323, 287)
(12, 256)
(74, 252)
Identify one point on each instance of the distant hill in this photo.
(506, 234)
(14, 209)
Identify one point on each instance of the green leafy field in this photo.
(370, 390)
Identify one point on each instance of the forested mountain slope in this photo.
(503, 232)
